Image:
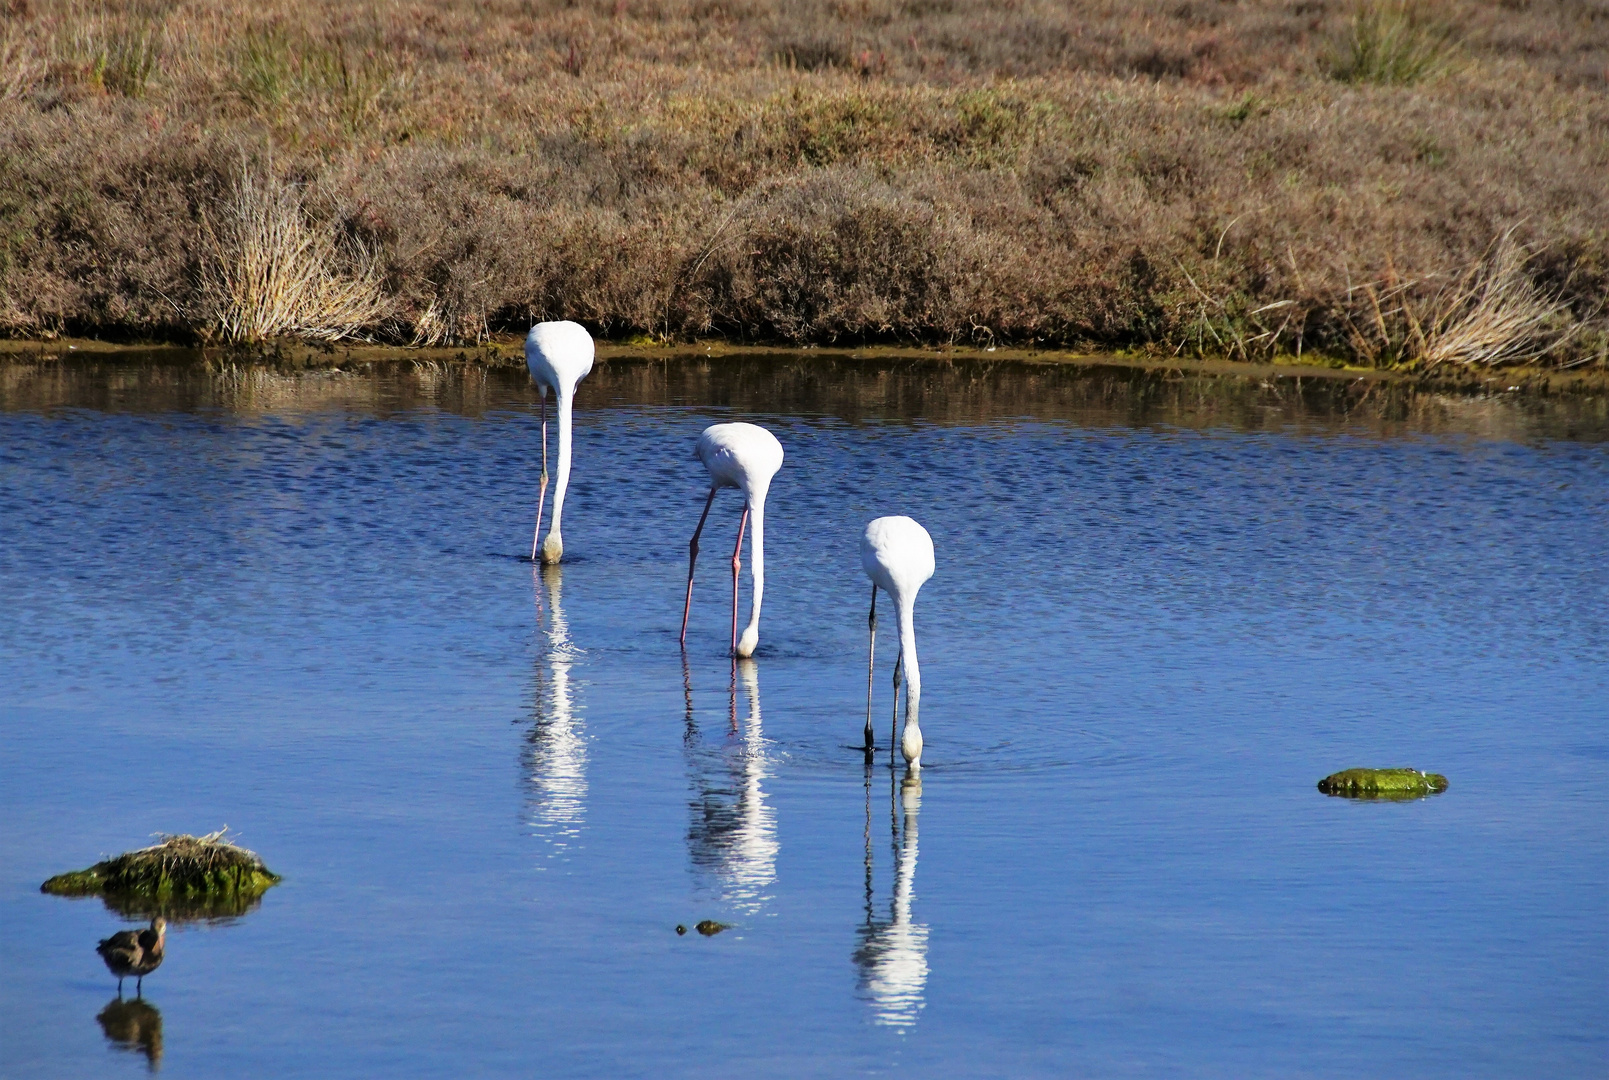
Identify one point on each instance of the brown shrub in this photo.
(1184, 176)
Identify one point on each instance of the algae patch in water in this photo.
(1383, 784)
(188, 877)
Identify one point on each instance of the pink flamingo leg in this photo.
(542, 498)
(692, 559)
(737, 564)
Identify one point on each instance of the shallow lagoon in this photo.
(1165, 606)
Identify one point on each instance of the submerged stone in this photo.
(1383, 784)
(709, 927)
(182, 878)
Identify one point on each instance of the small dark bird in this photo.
(134, 952)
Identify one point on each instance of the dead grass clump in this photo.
(1391, 43)
(180, 866)
(270, 270)
(1491, 314)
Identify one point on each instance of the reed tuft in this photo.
(1491, 314)
(1391, 43)
(271, 271)
(106, 53)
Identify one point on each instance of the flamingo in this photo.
(746, 457)
(559, 355)
(898, 556)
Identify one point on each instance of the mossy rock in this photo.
(1383, 784)
(183, 878)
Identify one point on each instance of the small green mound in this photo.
(709, 927)
(1383, 784)
(185, 876)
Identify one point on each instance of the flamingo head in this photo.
(552, 548)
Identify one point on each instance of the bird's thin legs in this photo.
(120, 988)
(871, 659)
(737, 564)
(542, 498)
(893, 730)
(692, 558)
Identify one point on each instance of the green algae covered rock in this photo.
(182, 878)
(1383, 784)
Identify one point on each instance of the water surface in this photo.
(1165, 606)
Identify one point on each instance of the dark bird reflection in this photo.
(732, 833)
(135, 1025)
(555, 757)
(892, 953)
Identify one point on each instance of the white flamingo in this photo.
(746, 457)
(559, 355)
(898, 556)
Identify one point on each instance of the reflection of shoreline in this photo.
(892, 954)
(556, 751)
(134, 1025)
(732, 836)
(946, 387)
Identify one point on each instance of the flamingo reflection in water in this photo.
(732, 834)
(556, 750)
(892, 954)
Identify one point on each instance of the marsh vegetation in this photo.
(1388, 182)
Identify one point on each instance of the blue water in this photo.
(296, 605)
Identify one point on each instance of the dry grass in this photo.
(1210, 176)
(269, 271)
(1494, 313)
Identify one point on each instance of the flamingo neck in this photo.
(911, 738)
(751, 634)
(553, 546)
